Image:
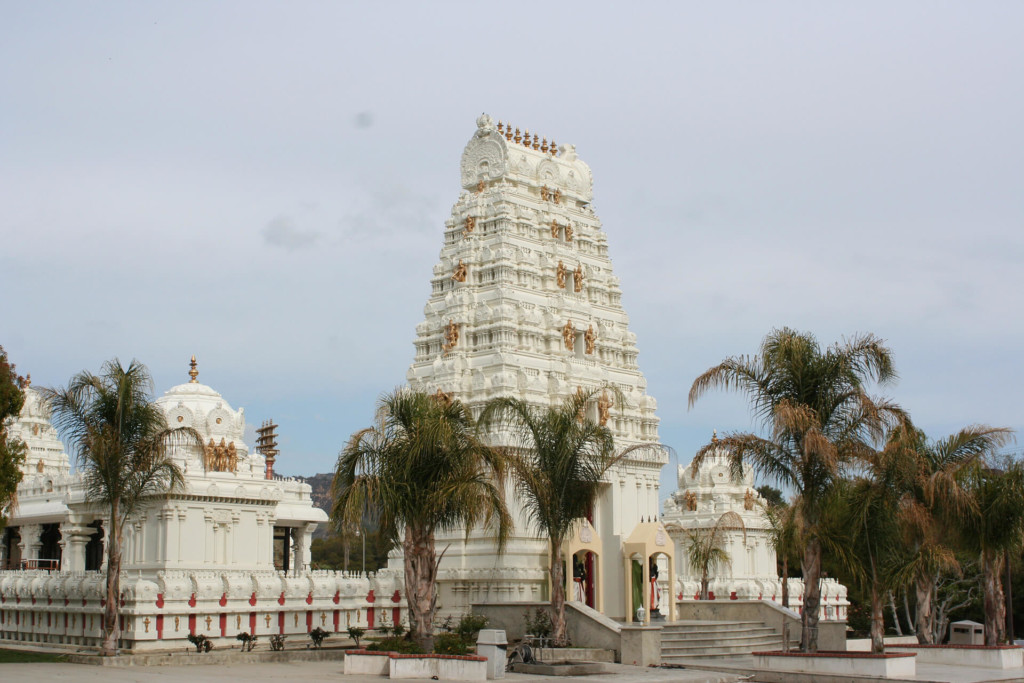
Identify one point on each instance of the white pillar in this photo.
(30, 542)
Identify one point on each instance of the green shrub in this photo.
(355, 633)
(539, 625)
(318, 635)
(277, 642)
(450, 644)
(248, 641)
(392, 644)
(202, 643)
(469, 627)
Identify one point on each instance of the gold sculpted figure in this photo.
(557, 196)
(590, 337)
(545, 193)
(604, 407)
(748, 500)
(569, 335)
(451, 335)
(560, 275)
(443, 397)
(691, 501)
(568, 232)
(577, 278)
(480, 186)
(554, 228)
(460, 272)
(470, 225)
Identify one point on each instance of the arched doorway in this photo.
(583, 581)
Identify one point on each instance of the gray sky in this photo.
(265, 185)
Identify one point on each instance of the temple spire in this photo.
(194, 372)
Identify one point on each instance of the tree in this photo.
(423, 470)
(993, 530)
(782, 539)
(934, 501)
(814, 405)
(12, 452)
(706, 551)
(559, 458)
(122, 444)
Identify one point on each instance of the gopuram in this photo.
(228, 554)
(524, 303)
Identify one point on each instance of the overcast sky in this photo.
(265, 185)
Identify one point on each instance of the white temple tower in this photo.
(524, 303)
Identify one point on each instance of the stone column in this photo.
(30, 541)
(299, 543)
(73, 539)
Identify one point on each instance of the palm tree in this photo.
(782, 539)
(423, 470)
(706, 551)
(559, 458)
(817, 411)
(993, 530)
(122, 444)
(934, 501)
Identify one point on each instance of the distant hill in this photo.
(321, 484)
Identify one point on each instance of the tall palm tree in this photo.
(423, 470)
(994, 529)
(706, 551)
(559, 458)
(814, 405)
(934, 502)
(122, 444)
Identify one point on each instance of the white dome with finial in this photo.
(199, 406)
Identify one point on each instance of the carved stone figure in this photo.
(554, 229)
(590, 337)
(545, 193)
(470, 225)
(460, 272)
(560, 275)
(451, 335)
(481, 186)
(557, 196)
(568, 232)
(577, 278)
(604, 407)
(748, 500)
(691, 501)
(569, 335)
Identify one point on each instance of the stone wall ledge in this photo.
(833, 663)
(978, 656)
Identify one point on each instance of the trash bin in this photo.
(493, 644)
(966, 633)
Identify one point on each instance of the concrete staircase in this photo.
(686, 640)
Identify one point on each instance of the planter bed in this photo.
(893, 665)
(985, 656)
(573, 654)
(396, 665)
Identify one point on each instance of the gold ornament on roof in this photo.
(569, 335)
(526, 137)
(460, 272)
(501, 128)
(28, 380)
(577, 278)
(553, 148)
(536, 142)
(451, 335)
(220, 457)
(544, 145)
(690, 498)
(590, 337)
(518, 138)
(604, 407)
(508, 132)
(560, 275)
(193, 373)
(714, 436)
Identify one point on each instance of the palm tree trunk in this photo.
(877, 621)
(420, 584)
(925, 591)
(111, 627)
(895, 614)
(812, 596)
(557, 594)
(704, 592)
(785, 582)
(995, 607)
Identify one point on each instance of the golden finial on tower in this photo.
(526, 137)
(193, 373)
(714, 436)
(501, 128)
(28, 380)
(518, 138)
(554, 148)
(508, 132)
(544, 145)
(536, 141)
